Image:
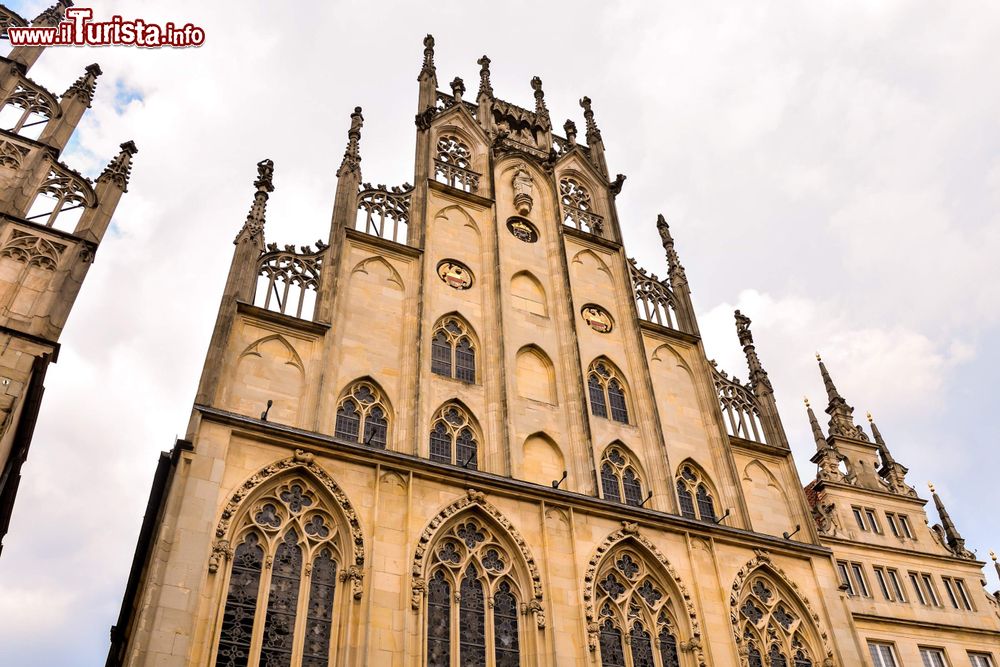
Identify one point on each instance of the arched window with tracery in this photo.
(453, 164)
(454, 437)
(637, 614)
(694, 492)
(578, 207)
(453, 350)
(620, 480)
(288, 607)
(480, 626)
(607, 392)
(363, 415)
(773, 628)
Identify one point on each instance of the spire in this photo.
(758, 376)
(485, 88)
(818, 436)
(674, 267)
(569, 127)
(883, 451)
(27, 55)
(826, 458)
(841, 414)
(955, 541)
(253, 228)
(428, 69)
(119, 169)
(84, 87)
(352, 156)
(593, 134)
(540, 108)
(892, 472)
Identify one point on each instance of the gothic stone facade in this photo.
(52, 220)
(468, 430)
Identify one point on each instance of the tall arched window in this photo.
(578, 207)
(694, 494)
(453, 352)
(270, 613)
(630, 597)
(607, 392)
(774, 631)
(620, 478)
(363, 415)
(469, 558)
(453, 437)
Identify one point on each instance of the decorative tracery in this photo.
(289, 279)
(453, 350)
(607, 392)
(620, 479)
(363, 415)
(62, 190)
(37, 104)
(281, 592)
(453, 164)
(454, 437)
(739, 408)
(33, 250)
(384, 212)
(578, 207)
(695, 494)
(653, 297)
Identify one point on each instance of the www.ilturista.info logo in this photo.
(77, 29)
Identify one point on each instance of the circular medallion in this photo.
(455, 274)
(597, 318)
(522, 230)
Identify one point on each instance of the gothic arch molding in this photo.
(394, 277)
(304, 463)
(629, 534)
(474, 502)
(762, 563)
(469, 221)
(601, 264)
(293, 357)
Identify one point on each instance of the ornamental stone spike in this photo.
(841, 414)
(84, 87)
(253, 228)
(428, 70)
(457, 89)
(119, 170)
(485, 87)
(883, 450)
(569, 127)
(675, 269)
(540, 108)
(593, 134)
(826, 458)
(758, 376)
(955, 540)
(352, 155)
(893, 472)
(817, 431)
(996, 565)
(52, 15)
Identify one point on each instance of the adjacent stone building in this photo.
(52, 220)
(467, 429)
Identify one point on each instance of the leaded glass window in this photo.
(619, 480)
(269, 615)
(505, 630)
(668, 647)
(472, 621)
(773, 632)
(453, 437)
(438, 621)
(694, 494)
(606, 390)
(642, 647)
(453, 352)
(363, 415)
(612, 654)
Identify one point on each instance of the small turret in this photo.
(841, 414)
(826, 458)
(75, 101)
(109, 188)
(594, 140)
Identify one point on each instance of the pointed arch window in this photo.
(607, 392)
(578, 207)
(453, 164)
(453, 438)
(694, 494)
(769, 620)
(272, 613)
(453, 351)
(630, 596)
(363, 415)
(620, 477)
(470, 558)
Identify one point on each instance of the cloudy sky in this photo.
(832, 169)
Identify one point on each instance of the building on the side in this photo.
(467, 429)
(52, 220)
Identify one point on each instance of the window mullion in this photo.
(490, 629)
(302, 607)
(257, 640)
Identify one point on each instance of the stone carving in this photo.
(454, 274)
(384, 208)
(11, 154)
(33, 250)
(523, 189)
(221, 551)
(654, 299)
(597, 319)
(355, 575)
(119, 169)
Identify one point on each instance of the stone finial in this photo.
(253, 228)
(675, 270)
(817, 432)
(955, 540)
(570, 128)
(84, 87)
(758, 376)
(841, 414)
(119, 169)
(485, 87)
(428, 67)
(352, 156)
(540, 108)
(52, 15)
(826, 458)
(883, 450)
(457, 89)
(593, 134)
(996, 565)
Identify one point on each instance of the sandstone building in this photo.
(468, 430)
(52, 220)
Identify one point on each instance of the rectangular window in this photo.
(860, 518)
(950, 591)
(931, 592)
(873, 521)
(893, 526)
(904, 523)
(963, 595)
(845, 580)
(882, 654)
(932, 657)
(981, 659)
(897, 587)
(883, 582)
(859, 578)
(916, 588)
